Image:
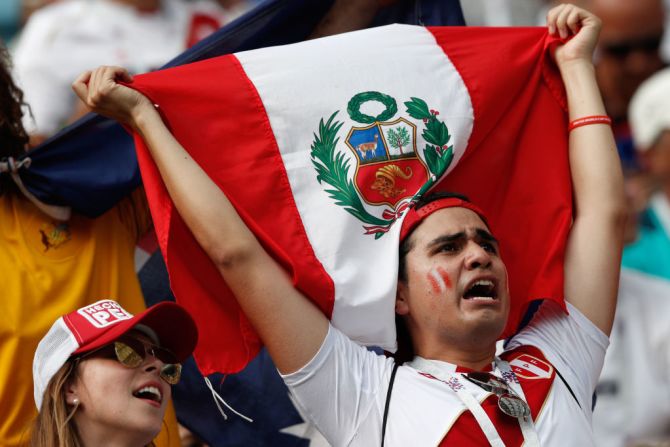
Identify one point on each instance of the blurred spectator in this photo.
(633, 393)
(628, 48)
(63, 39)
(650, 123)
(628, 53)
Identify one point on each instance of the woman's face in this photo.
(116, 401)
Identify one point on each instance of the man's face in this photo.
(456, 287)
(628, 48)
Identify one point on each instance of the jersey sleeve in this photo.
(339, 387)
(574, 345)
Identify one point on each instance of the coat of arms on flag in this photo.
(389, 170)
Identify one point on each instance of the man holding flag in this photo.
(452, 291)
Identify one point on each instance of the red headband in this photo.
(414, 217)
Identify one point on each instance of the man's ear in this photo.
(401, 304)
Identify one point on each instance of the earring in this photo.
(75, 401)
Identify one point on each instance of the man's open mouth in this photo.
(482, 289)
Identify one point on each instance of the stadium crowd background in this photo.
(633, 397)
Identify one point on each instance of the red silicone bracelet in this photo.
(593, 119)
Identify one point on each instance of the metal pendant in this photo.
(513, 406)
(490, 383)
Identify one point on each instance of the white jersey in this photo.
(62, 40)
(343, 389)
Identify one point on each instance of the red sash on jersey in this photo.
(536, 376)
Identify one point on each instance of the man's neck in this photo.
(474, 359)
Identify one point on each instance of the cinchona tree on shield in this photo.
(398, 138)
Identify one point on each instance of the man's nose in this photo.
(476, 256)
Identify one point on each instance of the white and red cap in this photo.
(99, 324)
(649, 110)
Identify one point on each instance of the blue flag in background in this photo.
(91, 164)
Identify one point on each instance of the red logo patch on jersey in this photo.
(530, 367)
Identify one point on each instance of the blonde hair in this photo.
(52, 427)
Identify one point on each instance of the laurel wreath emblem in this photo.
(355, 103)
(332, 167)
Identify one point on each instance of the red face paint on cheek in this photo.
(439, 280)
(434, 283)
(445, 277)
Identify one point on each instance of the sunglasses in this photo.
(623, 49)
(131, 352)
(508, 401)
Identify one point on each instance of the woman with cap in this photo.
(103, 376)
(52, 261)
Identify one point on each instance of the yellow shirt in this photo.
(47, 269)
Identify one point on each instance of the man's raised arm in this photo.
(291, 327)
(596, 238)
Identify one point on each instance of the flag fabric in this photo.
(91, 165)
(321, 146)
(257, 392)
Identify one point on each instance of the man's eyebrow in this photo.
(483, 234)
(446, 238)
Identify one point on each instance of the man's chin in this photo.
(487, 323)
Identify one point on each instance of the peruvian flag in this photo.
(321, 145)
